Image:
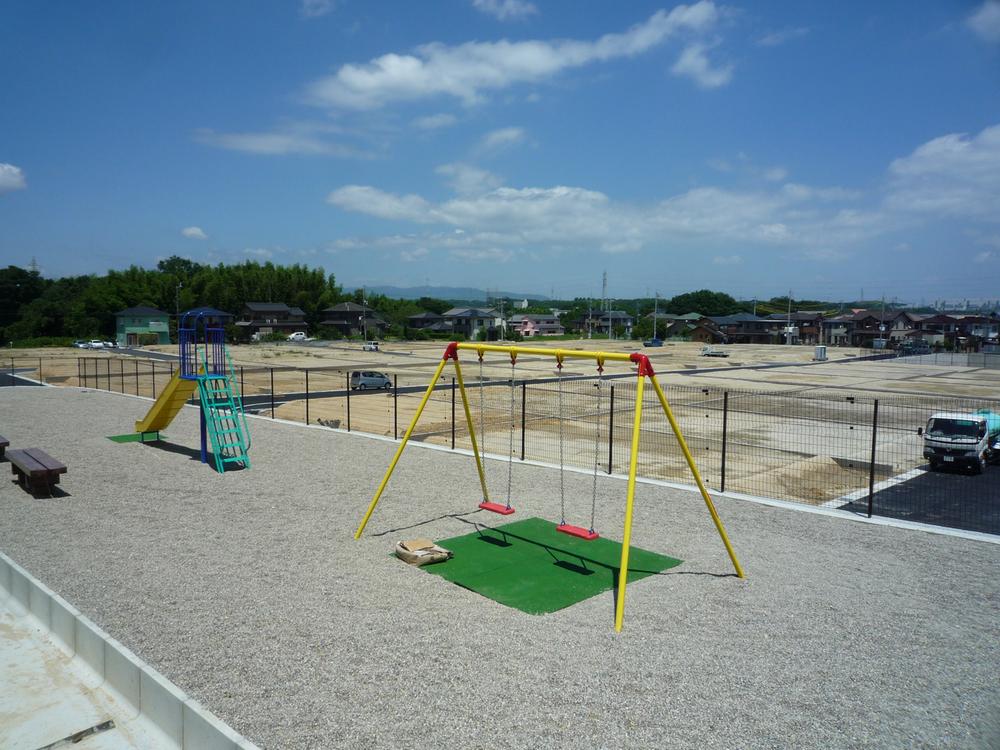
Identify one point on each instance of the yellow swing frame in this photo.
(645, 371)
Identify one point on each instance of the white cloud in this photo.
(468, 70)
(727, 260)
(955, 175)
(467, 179)
(505, 9)
(411, 256)
(775, 38)
(985, 22)
(11, 178)
(985, 256)
(502, 138)
(375, 202)
(315, 8)
(194, 233)
(494, 254)
(304, 139)
(775, 174)
(694, 64)
(434, 122)
(259, 252)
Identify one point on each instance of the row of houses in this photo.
(862, 328)
(865, 328)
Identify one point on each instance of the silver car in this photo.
(368, 380)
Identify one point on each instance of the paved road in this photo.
(945, 498)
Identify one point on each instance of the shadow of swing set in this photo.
(644, 372)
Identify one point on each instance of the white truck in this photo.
(710, 351)
(969, 440)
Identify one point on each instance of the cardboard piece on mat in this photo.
(420, 552)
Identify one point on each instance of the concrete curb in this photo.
(136, 686)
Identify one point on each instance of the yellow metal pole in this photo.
(557, 353)
(633, 464)
(399, 450)
(472, 430)
(697, 477)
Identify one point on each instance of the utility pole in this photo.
(590, 318)
(788, 327)
(604, 300)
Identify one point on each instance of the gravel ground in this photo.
(248, 591)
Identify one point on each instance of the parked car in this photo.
(370, 346)
(110, 344)
(297, 336)
(653, 342)
(95, 344)
(80, 344)
(365, 380)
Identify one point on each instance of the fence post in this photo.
(243, 389)
(453, 413)
(348, 386)
(137, 377)
(871, 467)
(271, 369)
(307, 396)
(12, 381)
(152, 369)
(524, 421)
(725, 430)
(78, 372)
(395, 406)
(611, 428)
(121, 368)
(109, 376)
(40, 378)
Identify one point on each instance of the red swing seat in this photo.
(588, 534)
(503, 510)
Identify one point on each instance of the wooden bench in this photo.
(4, 442)
(35, 469)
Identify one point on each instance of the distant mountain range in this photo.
(448, 293)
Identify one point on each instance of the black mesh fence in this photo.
(855, 452)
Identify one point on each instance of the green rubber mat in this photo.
(530, 566)
(137, 437)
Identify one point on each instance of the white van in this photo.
(367, 380)
(370, 346)
(297, 336)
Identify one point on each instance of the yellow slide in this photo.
(170, 401)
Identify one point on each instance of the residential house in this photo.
(806, 326)
(429, 321)
(264, 318)
(537, 325)
(352, 319)
(470, 321)
(141, 321)
(746, 328)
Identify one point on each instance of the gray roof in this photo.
(470, 312)
(349, 307)
(142, 311)
(267, 307)
(743, 317)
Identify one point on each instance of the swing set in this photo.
(644, 372)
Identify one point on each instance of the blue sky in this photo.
(755, 148)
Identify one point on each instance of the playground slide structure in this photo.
(205, 366)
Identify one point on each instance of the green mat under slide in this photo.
(532, 567)
(138, 437)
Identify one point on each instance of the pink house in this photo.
(537, 325)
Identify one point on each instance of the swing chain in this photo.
(597, 439)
